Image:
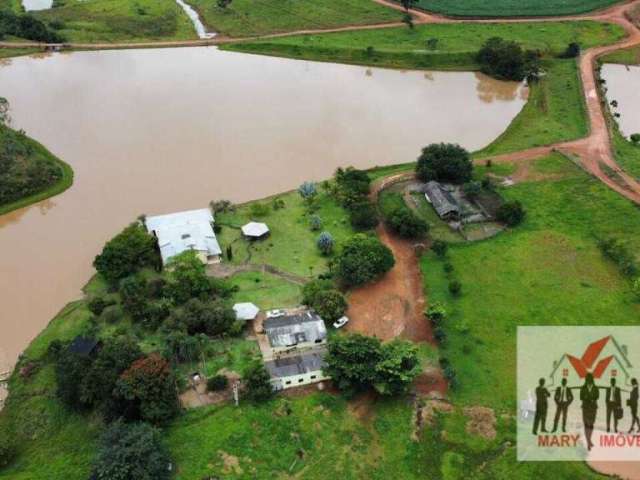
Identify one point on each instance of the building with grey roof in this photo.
(442, 201)
(183, 231)
(295, 331)
(298, 370)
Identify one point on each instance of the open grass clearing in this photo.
(111, 21)
(244, 18)
(548, 271)
(265, 290)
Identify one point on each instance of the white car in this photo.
(341, 322)
(276, 313)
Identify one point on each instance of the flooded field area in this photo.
(154, 131)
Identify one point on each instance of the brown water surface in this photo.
(623, 86)
(154, 131)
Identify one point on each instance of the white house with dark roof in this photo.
(298, 370)
(183, 231)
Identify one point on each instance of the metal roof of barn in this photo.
(296, 365)
(290, 330)
(442, 201)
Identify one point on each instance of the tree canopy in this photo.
(363, 259)
(131, 451)
(444, 162)
(506, 60)
(126, 253)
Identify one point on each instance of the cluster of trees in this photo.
(351, 189)
(506, 60)
(363, 259)
(24, 168)
(119, 381)
(26, 26)
(357, 363)
(444, 162)
(325, 299)
(401, 219)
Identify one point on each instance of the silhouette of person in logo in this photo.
(589, 395)
(563, 398)
(633, 405)
(614, 405)
(540, 419)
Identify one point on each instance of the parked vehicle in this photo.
(341, 322)
(276, 313)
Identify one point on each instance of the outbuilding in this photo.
(298, 370)
(246, 311)
(183, 231)
(442, 201)
(255, 230)
(295, 331)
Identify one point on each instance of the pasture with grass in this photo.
(513, 8)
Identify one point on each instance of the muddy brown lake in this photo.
(154, 131)
(623, 86)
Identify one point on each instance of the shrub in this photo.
(572, 50)
(212, 317)
(126, 253)
(258, 210)
(70, 369)
(221, 206)
(440, 248)
(26, 26)
(444, 162)
(315, 223)
(439, 334)
(447, 267)
(181, 347)
(308, 191)
(257, 382)
(472, 189)
(363, 259)
(636, 288)
(217, 383)
(635, 138)
(330, 304)
(130, 451)
(187, 278)
(436, 312)
(112, 314)
(325, 243)
(133, 291)
(96, 305)
(618, 253)
(511, 213)
(455, 288)
(406, 223)
(363, 215)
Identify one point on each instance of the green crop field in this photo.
(513, 8)
(548, 271)
(244, 18)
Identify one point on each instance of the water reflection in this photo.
(490, 90)
(151, 131)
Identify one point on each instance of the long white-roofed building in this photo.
(183, 231)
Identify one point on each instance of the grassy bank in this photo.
(31, 173)
(119, 21)
(628, 56)
(400, 47)
(513, 8)
(16, 52)
(548, 271)
(244, 18)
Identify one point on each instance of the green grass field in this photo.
(512, 8)
(265, 290)
(628, 56)
(38, 154)
(245, 18)
(291, 245)
(119, 21)
(548, 271)
(457, 43)
(555, 112)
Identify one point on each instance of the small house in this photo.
(442, 201)
(184, 231)
(298, 370)
(255, 230)
(295, 331)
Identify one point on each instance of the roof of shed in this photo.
(442, 200)
(296, 365)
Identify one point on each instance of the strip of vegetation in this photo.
(512, 8)
(118, 21)
(26, 26)
(628, 56)
(244, 18)
(29, 173)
